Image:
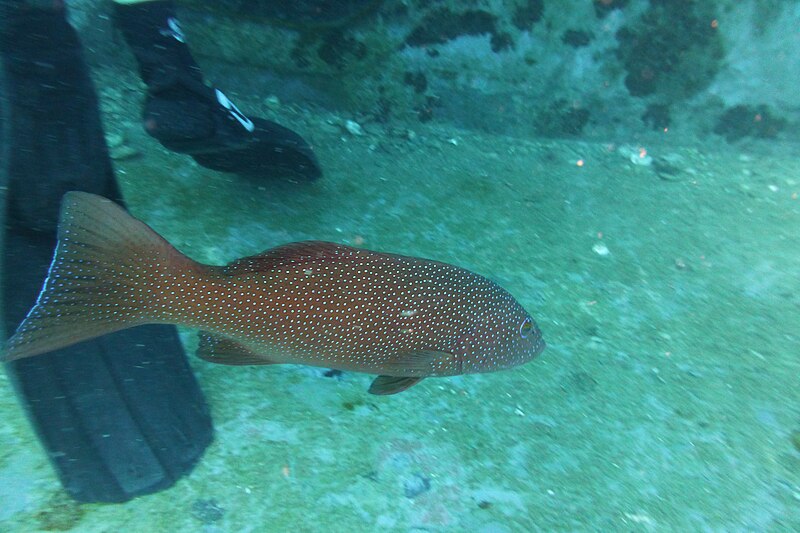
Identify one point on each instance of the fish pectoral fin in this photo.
(225, 351)
(420, 362)
(384, 385)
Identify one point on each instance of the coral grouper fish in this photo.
(312, 303)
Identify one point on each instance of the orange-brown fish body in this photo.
(313, 303)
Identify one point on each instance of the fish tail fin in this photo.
(103, 277)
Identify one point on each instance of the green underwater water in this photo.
(667, 398)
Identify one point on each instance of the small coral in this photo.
(748, 121)
(577, 38)
(527, 14)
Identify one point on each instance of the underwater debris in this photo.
(353, 128)
(601, 249)
(581, 381)
(60, 513)
(118, 147)
(272, 102)
(666, 167)
(636, 154)
(207, 511)
(680, 264)
(416, 485)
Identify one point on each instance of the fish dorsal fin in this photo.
(385, 385)
(224, 351)
(295, 253)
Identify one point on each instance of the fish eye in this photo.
(525, 328)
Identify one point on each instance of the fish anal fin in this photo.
(385, 385)
(225, 351)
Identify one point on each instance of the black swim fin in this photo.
(121, 415)
(187, 116)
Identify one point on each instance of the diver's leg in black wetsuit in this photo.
(120, 415)
(188, 116)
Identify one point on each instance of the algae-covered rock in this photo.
(561, 119)
(301, 14)
(674, 50)
(498, 65)
(748, 121)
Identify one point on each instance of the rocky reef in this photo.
(528, 67)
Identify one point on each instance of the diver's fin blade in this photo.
(122, 415)
(225, 351)
(385, 385)
(269, 150)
